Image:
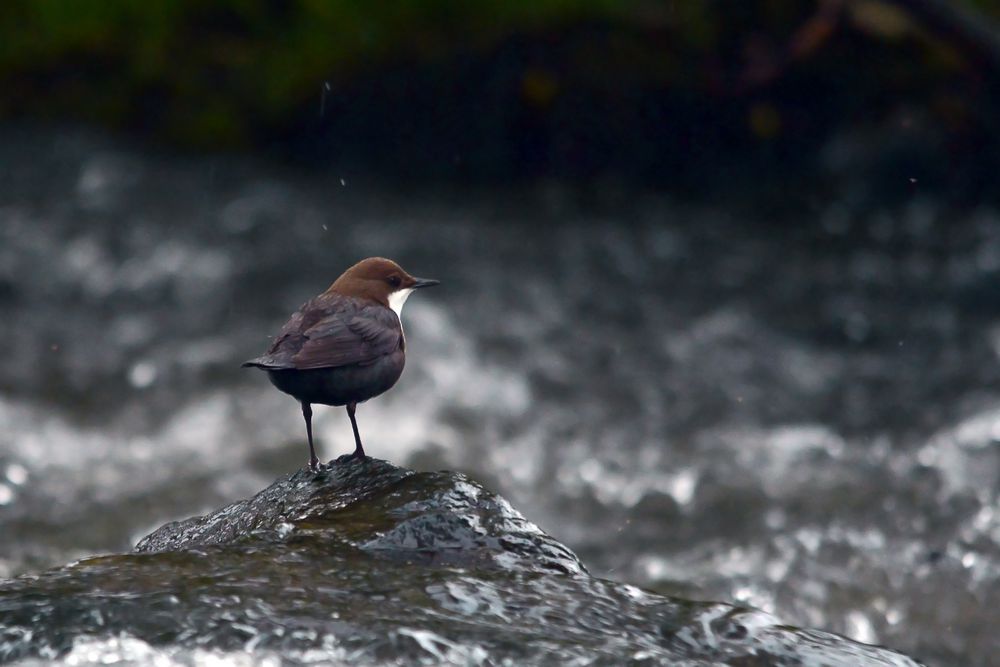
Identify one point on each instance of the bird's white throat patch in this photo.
(397, 299)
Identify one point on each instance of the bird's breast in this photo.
(342, 385)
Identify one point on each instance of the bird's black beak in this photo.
(424, 282)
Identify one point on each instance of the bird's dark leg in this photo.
(359, 451)
(307, 412)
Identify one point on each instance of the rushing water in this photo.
(718, 403)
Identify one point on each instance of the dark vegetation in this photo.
(688, 96)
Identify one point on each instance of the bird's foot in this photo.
(314, 465)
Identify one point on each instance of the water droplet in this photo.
(682, 486)
(860, 628)
(17, 474)
(142, 374)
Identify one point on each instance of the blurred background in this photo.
(720, 303)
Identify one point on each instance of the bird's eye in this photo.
(394, 281)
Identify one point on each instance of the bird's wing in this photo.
(327, 333)
(338, 341)
(331, 331)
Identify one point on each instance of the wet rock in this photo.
(367, 563)
(382, 510)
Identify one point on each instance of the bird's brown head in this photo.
(381, 280)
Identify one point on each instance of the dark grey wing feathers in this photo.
(382, 336)
(331, 332)
(339, 341)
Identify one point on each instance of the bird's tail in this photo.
(264, 362)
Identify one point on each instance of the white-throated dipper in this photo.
(345, 345)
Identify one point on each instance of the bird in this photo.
(344, 346)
